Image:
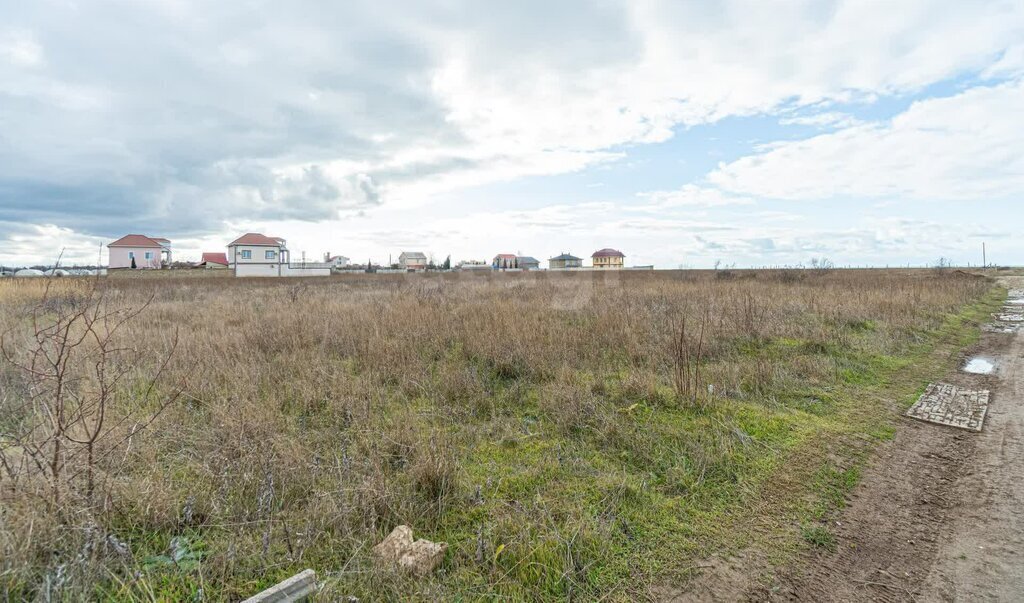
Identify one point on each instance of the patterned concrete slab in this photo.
(1009, 317)
(947, 404)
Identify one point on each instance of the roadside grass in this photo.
(555, 456)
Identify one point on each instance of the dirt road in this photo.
(938, 516)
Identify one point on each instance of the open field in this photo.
(568, 435)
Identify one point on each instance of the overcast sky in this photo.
(679, 132)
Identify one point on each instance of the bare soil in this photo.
(937, 516)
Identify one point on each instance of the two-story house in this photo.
(139, 251)
(412, 260)
(255, 254)
(608, 259)
(565, 261)
(504, 261)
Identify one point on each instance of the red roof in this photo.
(135, 240)
(507, 256)
(215, 258)
(255, 238)
(608, 253)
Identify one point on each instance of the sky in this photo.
(682, 133)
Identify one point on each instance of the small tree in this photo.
(447, 263)
(133, 263)
(63, 427)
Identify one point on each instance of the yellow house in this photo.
(608, 259)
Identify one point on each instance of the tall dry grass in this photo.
(316, 415)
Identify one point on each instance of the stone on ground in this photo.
(421, 557)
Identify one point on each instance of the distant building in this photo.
(473, 265)
(412, 260)
(525, 262)
(213, 261)
(336, 261)
(564, 262)
(146, 252)
(608, 259)
(504, 261)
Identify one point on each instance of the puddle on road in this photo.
(980, 366)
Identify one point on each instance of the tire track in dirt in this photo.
(938, 515)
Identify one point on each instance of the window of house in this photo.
(271, 254)
(246, 254)
(149, 255)
(131, 255)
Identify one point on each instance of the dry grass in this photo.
(537, 422)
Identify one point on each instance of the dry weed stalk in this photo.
(687, 361)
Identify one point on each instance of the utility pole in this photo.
(984, 256)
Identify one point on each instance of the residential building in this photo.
(473, 266)
(146, 252)
(565, 261)
(255, 254)
(504, 261)
(607, 258)
(525, 262)
(336, 261)
(213, 261)
(412, 260)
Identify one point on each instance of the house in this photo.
(336, 261)
(412, 260)
(565, 262)
(608, 259)
(525, 262)
(139, 251)
(504, 261)
(255, 254)
(213, 261)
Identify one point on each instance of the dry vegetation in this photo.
(569, 435)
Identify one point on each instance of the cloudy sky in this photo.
(682, 133)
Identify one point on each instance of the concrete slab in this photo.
(299, 587)
(1001, 327)
(947, 404)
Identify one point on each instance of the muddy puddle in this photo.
(980, 365)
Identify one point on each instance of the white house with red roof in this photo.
(255, 254)
(142, 251)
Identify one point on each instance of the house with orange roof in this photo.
(140, 252)
(255, 254)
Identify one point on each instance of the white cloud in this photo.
(829, 119)
(43, 244)
(20, 48)
(690, 196)
(963, 147)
